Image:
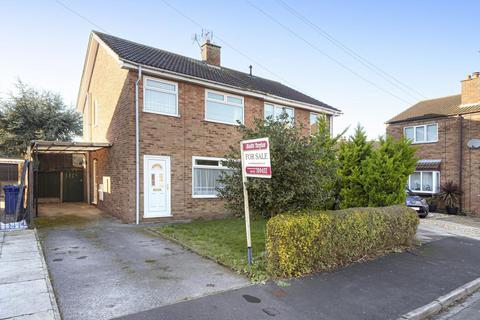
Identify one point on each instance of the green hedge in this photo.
(306, 242)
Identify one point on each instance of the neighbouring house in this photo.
(446, 132)
(157, 124)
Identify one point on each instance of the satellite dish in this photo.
(473, 143)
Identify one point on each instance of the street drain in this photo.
(251, 299)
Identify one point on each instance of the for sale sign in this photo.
(256, 158)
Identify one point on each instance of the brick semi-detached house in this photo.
(187, 119)
(446, 132)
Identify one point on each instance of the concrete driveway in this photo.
(101, 268)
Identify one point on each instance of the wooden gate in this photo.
(73, 186)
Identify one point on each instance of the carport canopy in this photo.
(42, 146)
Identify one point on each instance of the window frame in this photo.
(274, 105)
(414, 141)
(225, 101)
(436, 175)
(220, 166)
(146, 87)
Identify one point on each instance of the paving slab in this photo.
(25, 297)
(31, 269)
(25, 289)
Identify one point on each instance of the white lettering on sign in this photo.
(256, 158)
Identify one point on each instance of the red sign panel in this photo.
(260, 145)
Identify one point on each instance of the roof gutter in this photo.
(137, 150)
(217, 85)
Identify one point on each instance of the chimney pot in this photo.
(211, 53)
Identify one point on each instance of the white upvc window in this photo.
(426, 133)
(424, 182)
(160, 96)
(274, 111)
(314, 118)
(223, 108)
(205, 174)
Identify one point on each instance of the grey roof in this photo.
(161, 59)
(428, 164)
(434, 108)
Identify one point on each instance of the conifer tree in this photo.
(352, 155)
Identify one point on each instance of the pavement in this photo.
(385, 288)
(25, 289)
(102, 268)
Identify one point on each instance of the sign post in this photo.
(255, 156)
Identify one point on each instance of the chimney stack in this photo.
(211, 53)
(471, 89)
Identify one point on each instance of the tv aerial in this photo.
(203, 37)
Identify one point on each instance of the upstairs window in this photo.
(160, 96)
(313, 121)
(223, 108)
(422, 134)
(206, 172)
(274, 111)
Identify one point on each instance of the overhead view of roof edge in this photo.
(131, 55)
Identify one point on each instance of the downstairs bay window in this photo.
(424, 182)
(205, 175)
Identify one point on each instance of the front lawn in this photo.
(225, 242)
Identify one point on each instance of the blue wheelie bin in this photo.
(11, 198)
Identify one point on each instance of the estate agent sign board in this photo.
(255, 156)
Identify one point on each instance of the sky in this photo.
(371, 59)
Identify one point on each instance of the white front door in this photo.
(156, 176)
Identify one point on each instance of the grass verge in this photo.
(224, 242)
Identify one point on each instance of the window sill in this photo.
(425, 142)
(204, 197)
(221, 122)
(161, 113)
(424, 192)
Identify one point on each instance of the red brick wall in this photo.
(190, 135)
(114, 90)
(471, 165)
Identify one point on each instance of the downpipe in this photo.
(137, 150)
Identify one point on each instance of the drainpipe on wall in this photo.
(137, 151)
(460, 171)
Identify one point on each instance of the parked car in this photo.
(418, 203)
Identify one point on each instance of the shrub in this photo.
(294, 184)
(325, 146)
(352, 155)
(450, 194)
(307, 242)
(385, 172)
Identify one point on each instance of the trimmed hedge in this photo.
(307, 242)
